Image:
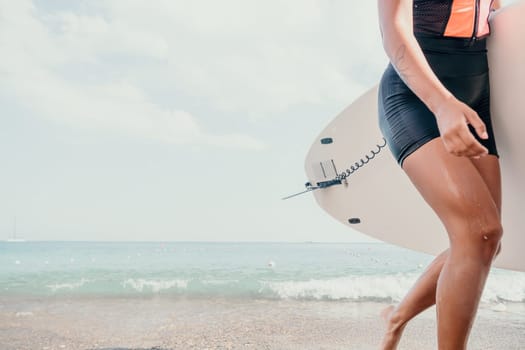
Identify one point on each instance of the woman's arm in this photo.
(395, 17)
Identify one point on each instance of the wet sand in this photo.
(163, 323)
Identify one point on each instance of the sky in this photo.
(174, 120)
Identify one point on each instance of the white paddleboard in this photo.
(377, 198)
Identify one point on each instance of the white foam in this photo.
(219, 282)
(154, 285)
(355, 288)
(507, 286)
(70, 286)
(499, 307)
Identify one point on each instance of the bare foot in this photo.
(393, 329)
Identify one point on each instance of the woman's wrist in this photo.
(437, 100)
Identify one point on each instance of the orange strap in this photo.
(462, 19)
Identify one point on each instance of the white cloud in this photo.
(103, 68)
(259, 58)
(36, 49)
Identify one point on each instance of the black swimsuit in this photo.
(461, 65)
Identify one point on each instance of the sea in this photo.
(308, 271)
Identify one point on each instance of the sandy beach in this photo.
(163, 323)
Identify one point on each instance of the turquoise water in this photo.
(304, 271)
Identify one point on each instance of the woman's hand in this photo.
(453, 117)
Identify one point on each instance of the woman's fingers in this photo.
(453, 119)
(476, 122)
(473, 148)
(462, 143)
(476, 148)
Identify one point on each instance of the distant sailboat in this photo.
(14, 239)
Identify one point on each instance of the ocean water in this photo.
(352, 272)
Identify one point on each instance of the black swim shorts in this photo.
(462, 66)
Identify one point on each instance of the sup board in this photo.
(355, 178)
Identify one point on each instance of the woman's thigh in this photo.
(456, 190)
(489, 169)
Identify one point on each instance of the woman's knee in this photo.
(492, 235)
(484, 241)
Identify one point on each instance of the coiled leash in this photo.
(338, 180)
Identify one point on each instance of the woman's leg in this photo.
(420, 297)
(456, 171)
(423, 294)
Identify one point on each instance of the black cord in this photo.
(361, 162)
